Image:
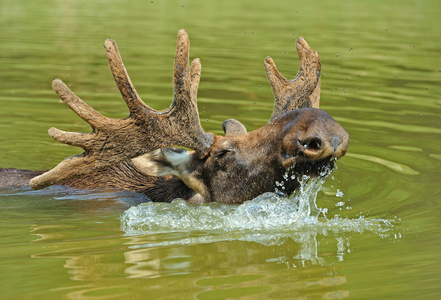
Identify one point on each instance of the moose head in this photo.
(138, 152)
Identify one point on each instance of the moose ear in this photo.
(233, 127)
(154, 164)
(166, 161)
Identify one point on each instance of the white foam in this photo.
(267, 219)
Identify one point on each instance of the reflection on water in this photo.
(290, 262)
(301, 254)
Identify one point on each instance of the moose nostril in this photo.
(335, 142)
(313, 144)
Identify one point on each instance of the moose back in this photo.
(146, 152)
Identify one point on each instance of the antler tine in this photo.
(67, 169)
(181, 69)
(184, 106)
(122, 79)
(304, 89)
(81, 108)
(75, 139)
(195, 78)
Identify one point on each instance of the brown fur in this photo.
(127, 177)
(242, 167)
(14, 178)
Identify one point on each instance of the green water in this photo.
(381, 81)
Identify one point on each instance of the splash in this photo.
(268, 219)
(269, 211)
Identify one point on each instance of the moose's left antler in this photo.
(304, 89)
(113, 141)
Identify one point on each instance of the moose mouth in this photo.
(318, 168)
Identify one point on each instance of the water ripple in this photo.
(384, 124)
(397, 167)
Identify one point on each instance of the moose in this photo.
(167, 155)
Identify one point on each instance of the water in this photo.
(269, 219)
(371, 232)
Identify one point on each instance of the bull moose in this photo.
(139, 153)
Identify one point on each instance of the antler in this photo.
(304, 89)
(113, 141)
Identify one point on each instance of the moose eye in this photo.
(222, 154)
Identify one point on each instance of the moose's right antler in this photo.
(304, 89)
(113, 141)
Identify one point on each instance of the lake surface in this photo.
(376, 231)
